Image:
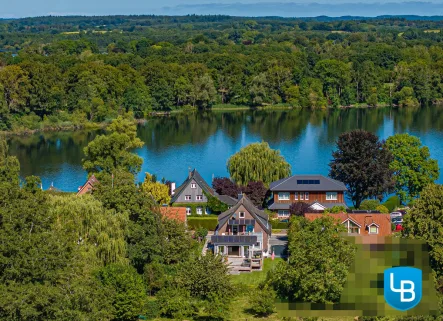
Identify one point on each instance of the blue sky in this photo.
(26, 8)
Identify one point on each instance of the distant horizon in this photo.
(244, 8)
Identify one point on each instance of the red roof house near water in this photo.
(87, 187)
(363, 224)
(174, 213)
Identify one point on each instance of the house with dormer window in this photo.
(243, 233)
(318, 191)
(193, 195)
(362, 224)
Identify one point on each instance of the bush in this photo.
(277, 225)
(382, 209)
(201, 232)
(176, 303)
(336, 209)
(152, 310)
(369, 205)
(262, 302)
(209, 223)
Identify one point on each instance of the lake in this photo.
(206, 140)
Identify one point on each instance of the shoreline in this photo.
(155, 114)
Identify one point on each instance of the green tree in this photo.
(362, 163)
(111, 152)
(129, 292)
(369, 205)
(158, 191)
(424, 222)
(262, 302)
(258, 162)
(412, 165)
(312, 275)
(15, 84)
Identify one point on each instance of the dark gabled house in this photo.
(318, 191)
(242, 231)
(195, 191)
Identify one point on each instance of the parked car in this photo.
(397, 220)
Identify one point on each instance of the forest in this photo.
(74, 71)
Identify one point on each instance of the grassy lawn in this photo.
(254, 278)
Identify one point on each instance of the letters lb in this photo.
(403, 287)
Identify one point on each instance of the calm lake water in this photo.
(206, 140)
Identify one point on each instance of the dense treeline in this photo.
(70, 70)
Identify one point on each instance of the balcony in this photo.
(242, 221)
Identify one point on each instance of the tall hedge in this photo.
(209, 223)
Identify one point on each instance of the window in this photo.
(221, 249)
(207, 210)
(199, 197)
(306, 195)
(283, 196)
(241, 215)
(188, 211)
(373, 229)
(331, 196)
(301, 196)
(193, 185)
(258, 245)
(187, 197)
(283, 213)
(199, 210)
(296, 196)
(352, 227)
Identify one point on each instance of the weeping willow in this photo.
(258, 162)
(91, 227)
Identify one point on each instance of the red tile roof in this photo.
(87, 187)
(178, 213)
(382, 221)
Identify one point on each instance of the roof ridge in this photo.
(283, 180)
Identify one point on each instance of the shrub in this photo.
(209, 223)
(201, 232)
(277, 225)
(382, 209)
(336, 209)
(176, 303)
(262, 302)
(369, 205)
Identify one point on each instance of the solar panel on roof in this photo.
(308, 181)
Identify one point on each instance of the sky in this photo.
(29, 8)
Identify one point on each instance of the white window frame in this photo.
(348, 225)
(193, 185)
(241, 215)
(281, 214)
(306, 196)
(369, 229)
(301, 196)
(331, 196)
(199, 210)
(283, 198)
(199, 197)
(259, 245)
(188, 211)
(296, 196)
(188, 197)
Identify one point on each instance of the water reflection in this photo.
(206, 140)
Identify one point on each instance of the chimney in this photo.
(189, 172)
(240, 195)
(172, 188)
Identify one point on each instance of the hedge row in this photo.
(277, 225)
(208, 222)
